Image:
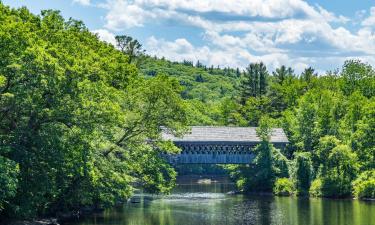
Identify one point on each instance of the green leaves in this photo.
(8, 181)
(76, 119)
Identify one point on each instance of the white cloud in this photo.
(370, 21)
(82, 2)
(106, 36)
(181, 49)
(274, 31)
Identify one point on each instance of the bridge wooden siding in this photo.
(219, 145)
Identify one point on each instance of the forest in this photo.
(77, 116)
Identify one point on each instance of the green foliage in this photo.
(339, 172)
(364, 185)
(8, 181)
(265, 128)
(261, 174)
(254, 83)
(322, 151)
(302, 174)
(283, 187)
(363, 140)
(77, 116)
(129, 46)
(316, 188)
(358, 76)
(76, 119)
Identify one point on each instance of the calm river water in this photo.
(207, 203)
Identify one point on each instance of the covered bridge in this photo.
(220, 145)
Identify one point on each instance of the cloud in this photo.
(106, 36)
(370, 21)
(82, 2)
(237, 32)
(181, 49)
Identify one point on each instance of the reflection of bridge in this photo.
(220, 145)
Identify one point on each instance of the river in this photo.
(204, 202)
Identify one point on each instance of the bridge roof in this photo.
(225, 134)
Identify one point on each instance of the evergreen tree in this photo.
(254, 83)
(282, 73)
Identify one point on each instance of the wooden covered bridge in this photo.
(220, 145)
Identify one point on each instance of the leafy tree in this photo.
(8, 181)
(75, 117)
(322, 151)
(129, 46)
(342, 167)
(364, 185)
(358, 76)
(303, 172)
(363, 140)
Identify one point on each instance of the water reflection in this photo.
(209, 204)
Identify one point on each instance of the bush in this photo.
(364, 185)
(316, 188)
(283, 186)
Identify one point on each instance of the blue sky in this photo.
(296, 33)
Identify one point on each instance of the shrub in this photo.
(316, 188)
(283, 186)
(364, 185)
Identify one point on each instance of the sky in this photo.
(296, 33)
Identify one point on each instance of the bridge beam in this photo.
(212, 153)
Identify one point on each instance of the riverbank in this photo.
(50, 221)
(194, 190)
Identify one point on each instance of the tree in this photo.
(302, 174)
(322, 151)
(342, 167)
(76, 119)
(308, 74)
(282, 74)
(363, 140)
(358, 76)
(306, 126)
(129, 46)
(8, 181)
(254, 83)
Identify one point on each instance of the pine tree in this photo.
(254, 83)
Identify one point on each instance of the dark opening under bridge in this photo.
(220, 145)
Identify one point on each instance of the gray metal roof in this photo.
(225, 134)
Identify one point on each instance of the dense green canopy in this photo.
(76, 117)
(80, 121)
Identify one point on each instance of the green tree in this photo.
(342, 168)
(303, 172)
(254, 83)
(8, 181)
(129, 46)
(282, 73)
(308, 74)
(358, 76)
(364, 185)
(76, 117)
(363, 140)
